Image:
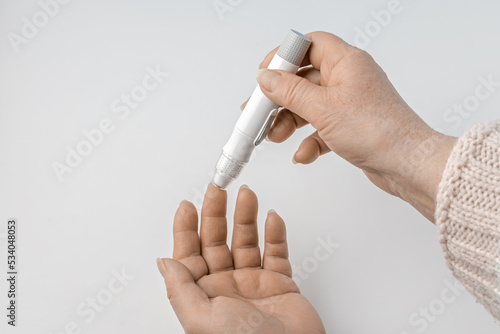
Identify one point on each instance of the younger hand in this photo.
(215, 290)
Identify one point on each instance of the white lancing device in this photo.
(259, 113)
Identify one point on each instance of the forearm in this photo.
(419, 171)
(418, 184)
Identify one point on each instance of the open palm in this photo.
(216, 290)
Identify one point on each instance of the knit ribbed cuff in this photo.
(468, 213)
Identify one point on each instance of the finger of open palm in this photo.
(245, 243)
(186, 240)
(276, 246)
(213, 231)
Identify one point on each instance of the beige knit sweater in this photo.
(468, 213)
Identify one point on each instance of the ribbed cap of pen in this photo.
(294, 47)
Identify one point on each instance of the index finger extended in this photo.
(326, 50)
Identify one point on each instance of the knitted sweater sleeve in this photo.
(468, 213)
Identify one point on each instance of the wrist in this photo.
(419, 171)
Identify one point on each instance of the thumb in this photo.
(291, 91)
(189, 301)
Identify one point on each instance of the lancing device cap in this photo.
(294, 47)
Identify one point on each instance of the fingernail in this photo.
(267, 138)
(293, 161)
(268, 79)
(242, 106)
(244, 186)
(183, 201)
(259, 73)
(271, 211)
(161, 267)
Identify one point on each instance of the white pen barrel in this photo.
(258, 107)
(257, 117)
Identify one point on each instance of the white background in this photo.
(114, 211)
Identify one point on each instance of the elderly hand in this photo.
(359, 115)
